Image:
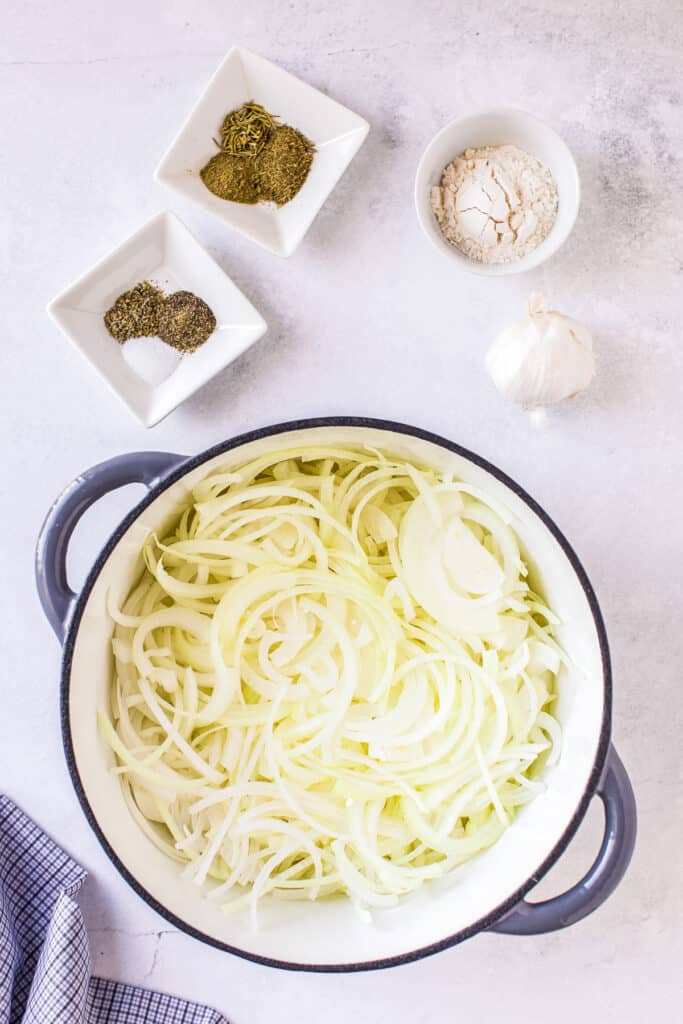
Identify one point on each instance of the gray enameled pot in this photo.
(489, 892)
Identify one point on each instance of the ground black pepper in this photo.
(185, 321)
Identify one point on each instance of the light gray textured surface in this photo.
(366, 318)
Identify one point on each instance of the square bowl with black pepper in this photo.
(157, 318)
(262, 150)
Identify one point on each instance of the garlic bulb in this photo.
(541, 359)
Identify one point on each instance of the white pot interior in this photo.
(329, 932)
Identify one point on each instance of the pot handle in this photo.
(600, 881)
(56, 596)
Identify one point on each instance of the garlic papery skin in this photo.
(542, 359)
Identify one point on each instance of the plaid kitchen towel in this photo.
(44, 952)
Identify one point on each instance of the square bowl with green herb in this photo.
(268, 216)
(150, 377)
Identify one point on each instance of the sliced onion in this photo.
(332, 677)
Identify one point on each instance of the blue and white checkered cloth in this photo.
(44, 953)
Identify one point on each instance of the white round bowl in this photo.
(497, 128)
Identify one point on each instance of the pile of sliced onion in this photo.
(332, 677)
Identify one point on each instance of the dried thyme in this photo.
(283, 165)
(135, 314)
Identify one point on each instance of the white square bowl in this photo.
(162, 251)
(336, 132)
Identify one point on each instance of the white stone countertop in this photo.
(367, 319)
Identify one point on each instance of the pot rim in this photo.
(193, 462)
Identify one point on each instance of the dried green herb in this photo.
(182, 320)
(283, 165)
(135, 314)
(231, 177)
(185, 321)
(261, 161)
(245, 131)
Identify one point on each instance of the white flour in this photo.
(495, 203)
